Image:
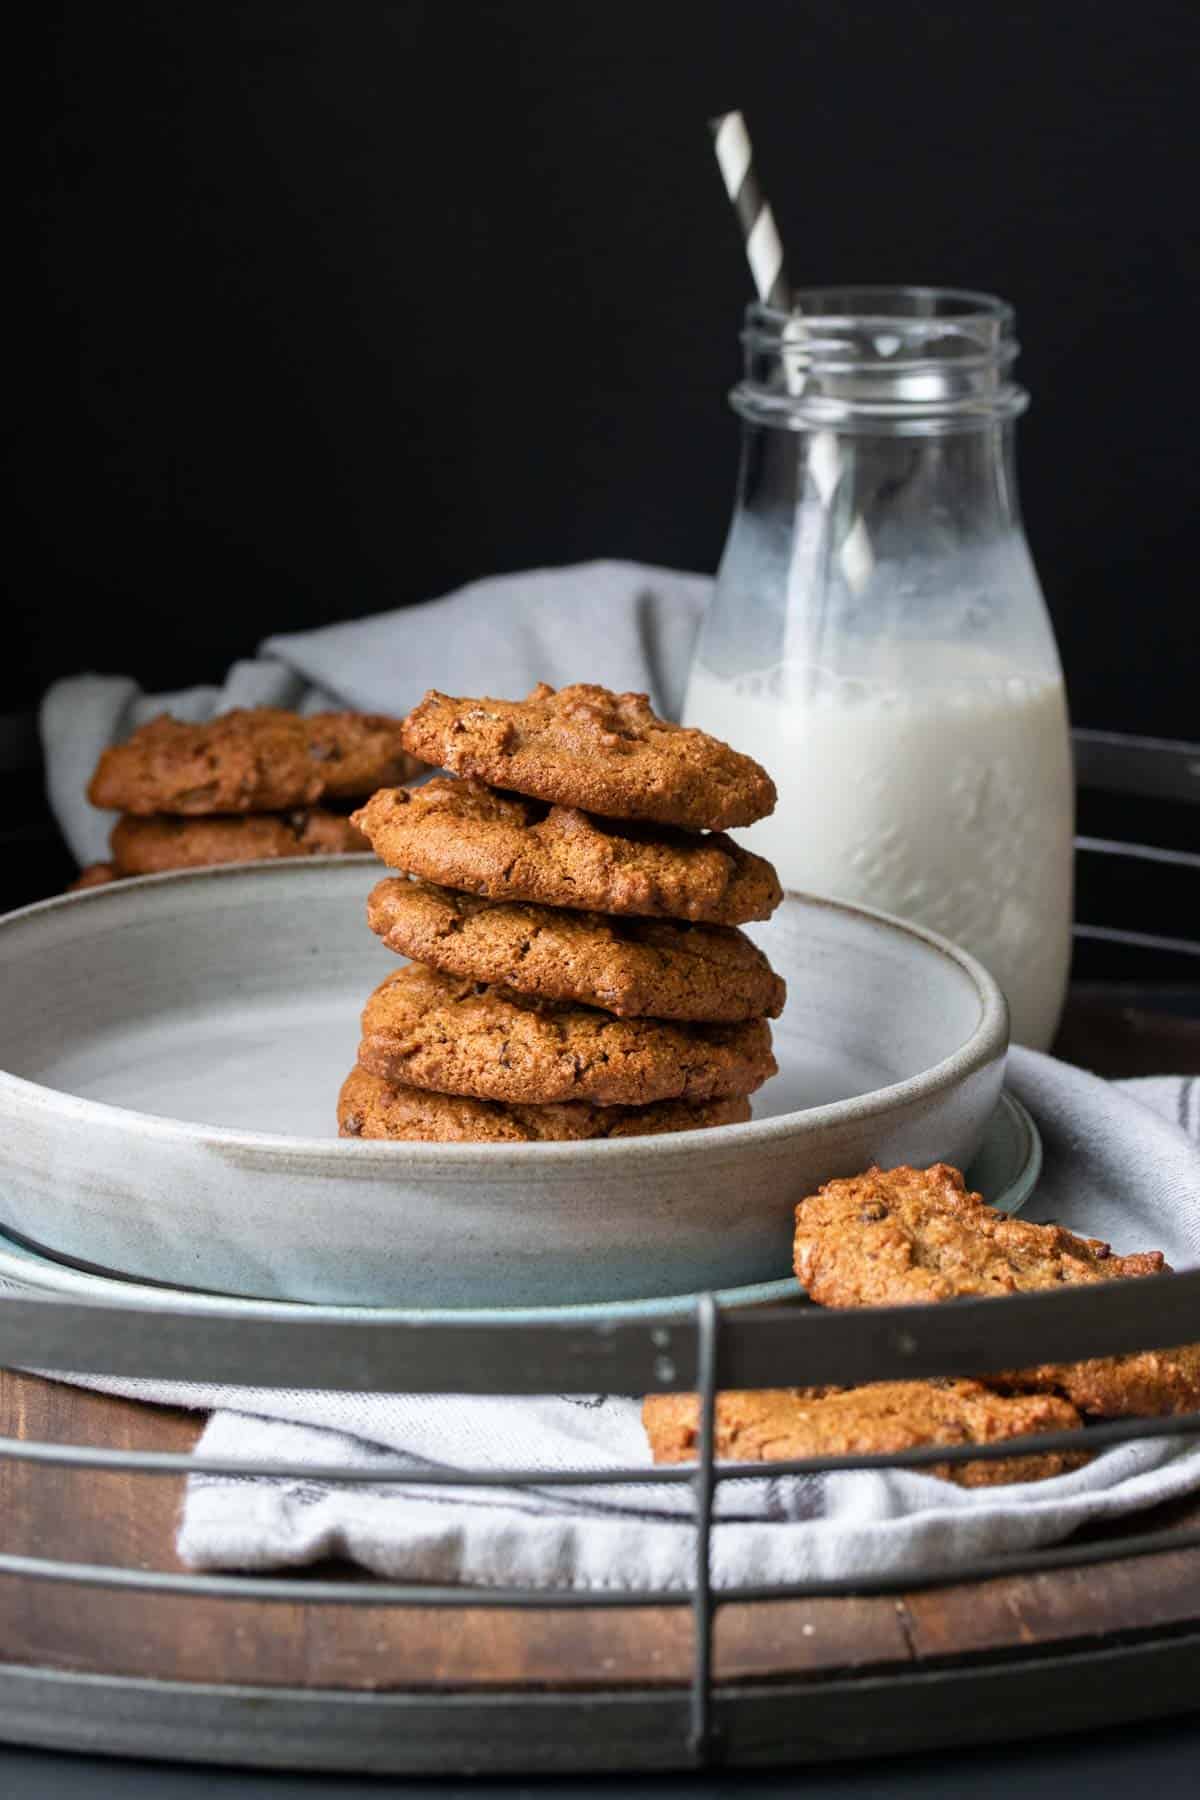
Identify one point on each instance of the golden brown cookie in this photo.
(892, 1237)
(1144, 1384)
(150, 846)
(261, 760)
(588, 747)
(651, 968)
(895, 1236)
(788, 1424)
(461, 834)
(369, 1107)
(422, 1029)
(94, 875)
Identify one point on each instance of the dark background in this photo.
(332, 307)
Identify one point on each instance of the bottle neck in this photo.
(908, 362)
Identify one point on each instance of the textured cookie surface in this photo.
(422, 1029)
(891, 1237)
(464, 835)
(257, 760)
(158, 842)
(369, 1107)
(785, 1424)
(588, 747)
(1145, 1384)
(655, 968)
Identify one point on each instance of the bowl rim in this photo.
(987, 1043)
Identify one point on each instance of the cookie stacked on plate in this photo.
(571, 907)
(248, 784)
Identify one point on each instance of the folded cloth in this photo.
(620, 624)
(1117, 1165)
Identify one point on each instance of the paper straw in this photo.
(764, 252)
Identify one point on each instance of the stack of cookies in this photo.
(899, 1237)
(571, 908)
(247, 784)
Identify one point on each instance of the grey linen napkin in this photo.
(1119, 1164)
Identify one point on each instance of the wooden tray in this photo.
(130, 1519)
(411, 1689)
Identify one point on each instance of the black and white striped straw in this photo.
(764, 251)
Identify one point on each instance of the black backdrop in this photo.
(336, 305)
(333, 306)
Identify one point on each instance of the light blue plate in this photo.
(1005, 1171)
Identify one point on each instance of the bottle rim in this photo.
(917, 318)
(890, 301)
(907, 353)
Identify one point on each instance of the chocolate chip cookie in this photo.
(369, 1107)
(655, 968)
(423, 1029)
(260, 760)
(1144, 1384)
(895, 1236)
(587, 747)
(787, 1424)
(152, 845)
(462, 834)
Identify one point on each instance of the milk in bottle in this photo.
(879, 641)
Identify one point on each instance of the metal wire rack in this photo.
(715, 1349)
(1153, 769)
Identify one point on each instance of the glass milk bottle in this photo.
(878, 638)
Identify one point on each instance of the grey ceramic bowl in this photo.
(172, 1049)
